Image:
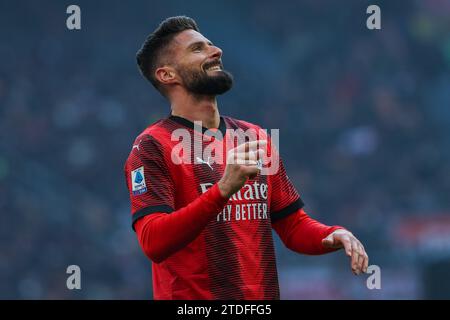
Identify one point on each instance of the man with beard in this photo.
(207, 225)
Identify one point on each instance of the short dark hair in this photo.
(156, 44)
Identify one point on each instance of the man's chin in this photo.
(211, 92)
(216, 85)
(218, 89)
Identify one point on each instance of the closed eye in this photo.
(198, 46)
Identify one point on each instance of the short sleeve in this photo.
(148, 179)
(284, 198)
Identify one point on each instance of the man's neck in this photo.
(198, 108)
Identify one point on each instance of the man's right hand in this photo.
(242, 164)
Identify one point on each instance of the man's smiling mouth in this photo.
(217, 66)
(214, 68)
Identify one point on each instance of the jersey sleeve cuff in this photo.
(289, 209)
(149, 210)
(334, 228)
(216, 199)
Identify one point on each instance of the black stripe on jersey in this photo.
(290, 209)
(190, 124)
(149, 210)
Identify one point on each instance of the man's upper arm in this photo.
(284, 198)
(148, 178)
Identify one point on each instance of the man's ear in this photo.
(166, 75)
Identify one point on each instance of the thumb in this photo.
(328, 242)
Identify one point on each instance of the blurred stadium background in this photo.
(365, 134)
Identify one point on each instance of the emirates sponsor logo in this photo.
(253, 195)
(255, 191)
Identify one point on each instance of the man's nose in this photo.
(216, 52)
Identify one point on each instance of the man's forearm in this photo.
(302, 234)
(162, 234)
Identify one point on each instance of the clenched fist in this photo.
(242, 164)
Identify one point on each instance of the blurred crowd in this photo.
(364, 119)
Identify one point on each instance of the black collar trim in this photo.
(187, 123)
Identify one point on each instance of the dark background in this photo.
(364, 125)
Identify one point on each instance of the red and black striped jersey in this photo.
(233, 257)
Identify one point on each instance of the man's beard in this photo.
(201, 83)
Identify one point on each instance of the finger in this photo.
(328, 242)
(361, 260)
(355, 257)
(251, 155)
(251, 171)
(347, 246)
(233, 157)
(260, 153)
(366, 262)
(250, 146)
(246, 162)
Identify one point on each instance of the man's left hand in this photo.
(353, 248)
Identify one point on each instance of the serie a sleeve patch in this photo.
(138, 185)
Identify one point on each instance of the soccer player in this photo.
(207, 225)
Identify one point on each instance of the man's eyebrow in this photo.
(194, 44)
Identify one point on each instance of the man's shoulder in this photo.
(157, 131)
(152, 140)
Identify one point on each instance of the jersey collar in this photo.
(187, 123)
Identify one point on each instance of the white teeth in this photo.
(214, 68)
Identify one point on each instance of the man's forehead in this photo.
(187, 37)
